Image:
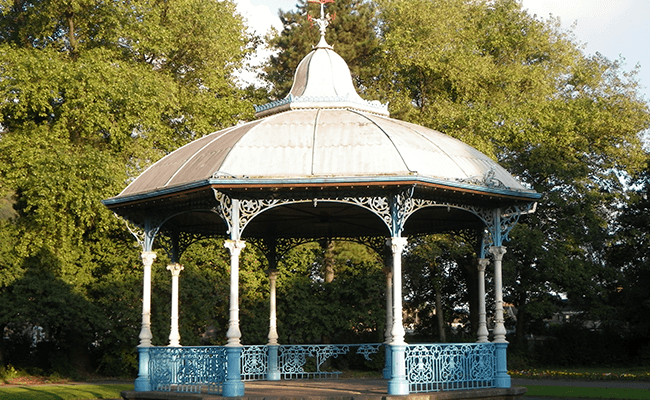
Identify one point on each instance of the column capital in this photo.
(272, 273)
(235, 246)
(148, 257)
(482, 264)
(175, 269)
(498, 252)
(397, 243)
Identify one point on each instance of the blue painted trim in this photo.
(398, 385)
(234, 182)
(233, 386)
(142, 382)
(387, 373)
(273, 373)
(502, 379)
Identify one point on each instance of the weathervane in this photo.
(324, 19)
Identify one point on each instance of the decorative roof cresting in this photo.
(322, 81)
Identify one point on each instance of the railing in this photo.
(306, 361)
(435, 367)
(254, 363)
(429, 367)
(187, 369)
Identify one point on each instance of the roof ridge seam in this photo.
(313, 141)
(387, 135)
(257, 123)
(196, 153)
(407, 126)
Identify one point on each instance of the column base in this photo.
(387, 372)
(398, 385)
(233, 386)
(273, 374)
(233, 389)
(143, 382)
(502, 379)
(142, 385)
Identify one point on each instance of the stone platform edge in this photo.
(475, 394)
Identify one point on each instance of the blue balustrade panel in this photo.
(254, 363)
(306, 361)
(188, 369)
(436, 367)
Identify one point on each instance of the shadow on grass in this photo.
(587, 392)
(63, 392)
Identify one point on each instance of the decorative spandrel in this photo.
(237, 213)
(175, 243)
(144, 234)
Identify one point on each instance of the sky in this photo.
(614, 28)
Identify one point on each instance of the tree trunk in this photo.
(328, 260)
(440, 316)
(520, 335)
(469, 266)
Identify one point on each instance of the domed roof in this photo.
(324, 144)
(324, 132)
(322, 80)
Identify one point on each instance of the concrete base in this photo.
(339, 389)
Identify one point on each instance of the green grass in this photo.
(633, 374)
(63, 392)
(587, 392)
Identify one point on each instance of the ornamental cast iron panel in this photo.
(436, 367)
(293, 360)
(187, 369)
(254, 363)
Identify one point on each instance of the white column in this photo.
(397, 384)
(273, 331)
(482, 332)
(234, 334)
(397, 246)
(388, 336)
(174, 335)
(499, 327)
(145, 336)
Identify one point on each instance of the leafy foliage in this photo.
(348, 309)
(352, 32)
(91, 93)
(520, 90)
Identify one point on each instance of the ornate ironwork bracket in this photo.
(237, 213)
(175, 243)
(488, 179)
(144, 235)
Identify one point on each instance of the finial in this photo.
(322, 22)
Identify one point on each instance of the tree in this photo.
(352, 33)
(441, 285)
(521, 90)
(91, 93)
(630, 254)
(349, 308)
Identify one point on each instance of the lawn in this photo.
(587, 392)
(63, 392)
(634, 374)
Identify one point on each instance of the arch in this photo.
(238, 213)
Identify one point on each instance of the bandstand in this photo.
(322, 163)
